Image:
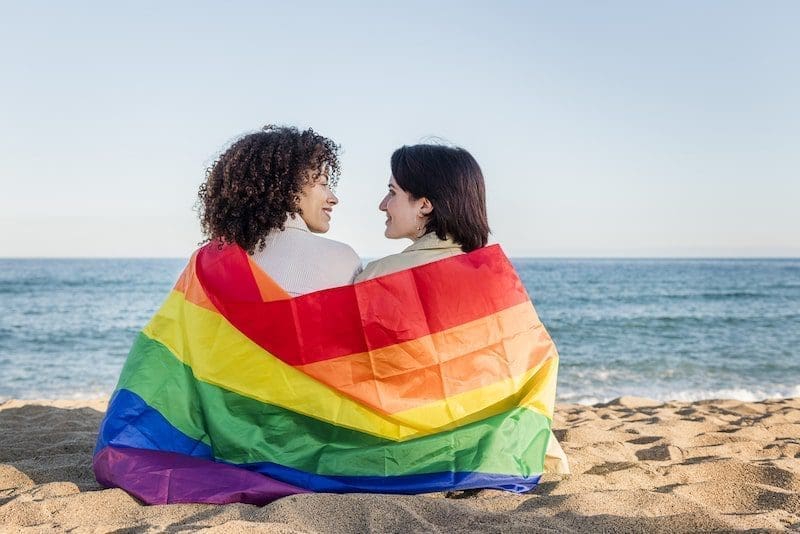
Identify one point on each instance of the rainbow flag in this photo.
(439, 377)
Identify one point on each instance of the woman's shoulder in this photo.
(387, 265)
(302, 262)
(413, 256)
(340, 250)
(339, 259)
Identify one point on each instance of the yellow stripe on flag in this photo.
(221, 355)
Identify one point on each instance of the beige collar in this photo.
(431, 242)
(297, 222)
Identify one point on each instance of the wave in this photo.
(740, 394)
(721, 295)
(575, 397)
(49, 394)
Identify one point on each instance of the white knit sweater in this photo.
(302, 262)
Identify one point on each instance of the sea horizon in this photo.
(665, 328)
(367, 258)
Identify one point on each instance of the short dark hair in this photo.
(453, 182)
(251, 187)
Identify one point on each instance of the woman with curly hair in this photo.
(270, 193)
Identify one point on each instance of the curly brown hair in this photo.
(251, 187)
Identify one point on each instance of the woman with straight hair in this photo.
(437, 199)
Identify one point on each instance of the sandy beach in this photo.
(637, 466)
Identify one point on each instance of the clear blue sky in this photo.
(603, 128)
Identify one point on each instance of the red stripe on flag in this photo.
(373, 314)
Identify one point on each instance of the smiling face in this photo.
(405, 215)
(316, 204)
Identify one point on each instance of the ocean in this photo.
(665, 329)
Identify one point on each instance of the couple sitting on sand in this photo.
(277, 366)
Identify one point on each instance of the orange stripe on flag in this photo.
(267, 287)
(189, 285)
(467, 357)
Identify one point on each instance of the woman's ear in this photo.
(426, 208)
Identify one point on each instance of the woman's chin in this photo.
(392, 235)
(389, 235)
(319, 228)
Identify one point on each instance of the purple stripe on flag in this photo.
(158, 477)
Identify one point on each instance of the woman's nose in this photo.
(333, 199)
(382, 205)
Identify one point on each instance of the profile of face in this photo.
(316, 204)
(405, 215)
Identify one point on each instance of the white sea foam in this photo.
(740, 394)
(60, 394)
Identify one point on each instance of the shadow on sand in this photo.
(50, 444)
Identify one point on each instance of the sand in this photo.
(637, 466)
